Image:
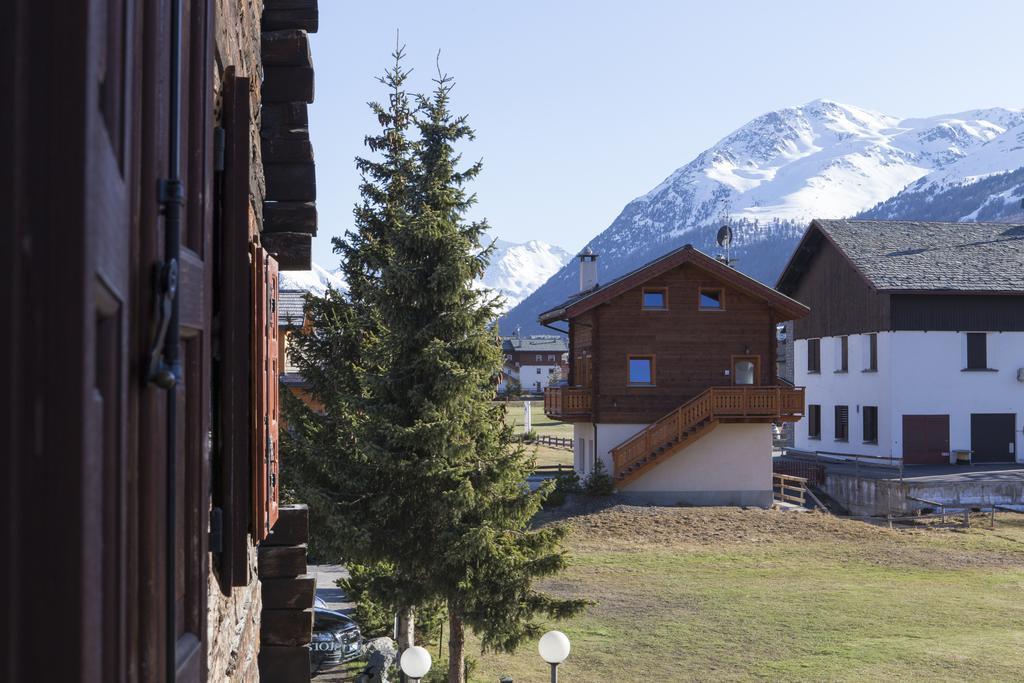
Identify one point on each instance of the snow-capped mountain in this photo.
(316, 280)
(774, 174)
(516, 270)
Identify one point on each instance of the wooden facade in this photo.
(692, 348)
(94, 519)
(840, 299)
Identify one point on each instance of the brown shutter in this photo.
(232, 486)
(265, 410)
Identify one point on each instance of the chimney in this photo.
(588, 269)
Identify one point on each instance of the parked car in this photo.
(336, 640)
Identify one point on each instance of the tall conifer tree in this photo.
(437, 493)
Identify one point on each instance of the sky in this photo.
(579, 107)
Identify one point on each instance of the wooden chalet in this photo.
(680, 349)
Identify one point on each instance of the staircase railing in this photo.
(750, 402)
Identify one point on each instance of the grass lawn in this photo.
(551, 456)
(542, 424)
(748, 595)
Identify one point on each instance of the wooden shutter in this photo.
(842, 423)
(976, 351)
(233, 455)
(265, 410)
(813, 355)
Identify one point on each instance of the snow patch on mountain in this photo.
(315, 280)
(771, 176)
(516, 270)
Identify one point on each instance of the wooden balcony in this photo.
(569, 404)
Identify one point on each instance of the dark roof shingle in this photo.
(291, 307)
(923, 256)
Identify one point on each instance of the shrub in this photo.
(566, 483)
(599, 482)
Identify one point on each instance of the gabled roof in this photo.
(538, 343)
(291, 308)
(584, 301)
(919, 256)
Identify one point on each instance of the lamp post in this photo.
(554, 648)
(415, 662)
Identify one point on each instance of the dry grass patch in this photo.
(730, 594)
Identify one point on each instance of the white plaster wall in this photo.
(929, 380)
(733, 457)
(608, 436)
(919, 373)
(855, 388)
(528, 376)
(582, 448)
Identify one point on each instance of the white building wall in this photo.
(919, 373)
(531, 380)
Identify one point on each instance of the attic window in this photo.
(711, 299)
(655, 299)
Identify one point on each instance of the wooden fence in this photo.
(553, 441)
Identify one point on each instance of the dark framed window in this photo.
(843, 359)
(870, 415)
(655, 299)
(711, 299)
(977, 351)
(641, 370)
(872, 353)
(813, 355)
(813, 421)
(842, 423)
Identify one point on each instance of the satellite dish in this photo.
(724, 236)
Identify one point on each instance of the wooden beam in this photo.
(289, 47)
(282, 562)
(282, 150)
(294, 593)
(287, 84)
(280, 663)
(290, 182)
(292, 526)
(290, 217)
(292, 250)
(281, 14)
(284, 115)
(286, 627)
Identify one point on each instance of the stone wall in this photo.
(233, 627)
(233, 634)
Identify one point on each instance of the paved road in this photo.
(327, 590)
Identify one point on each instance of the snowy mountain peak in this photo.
(316, 280)
(769, 177)
(516, 270)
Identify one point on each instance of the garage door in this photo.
(992, 437)
(926, 439)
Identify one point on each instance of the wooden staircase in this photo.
(698, 417)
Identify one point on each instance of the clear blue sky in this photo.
(581, 106)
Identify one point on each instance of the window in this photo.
(538, 371)
(551, 371)
(641, 370)
(551, 358)
(813, 355)
(813, 421)
(655, 299)
(540, 357)
(711, 300)
(842, 423)
(977, 351)
(871, 353)
(870, 415)
(842, 354)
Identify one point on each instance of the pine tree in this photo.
(418, 471)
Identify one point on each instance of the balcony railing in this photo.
(567, 401)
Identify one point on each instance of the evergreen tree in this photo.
(418, 472)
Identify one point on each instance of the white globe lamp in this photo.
(415, 662)
(554, 648)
